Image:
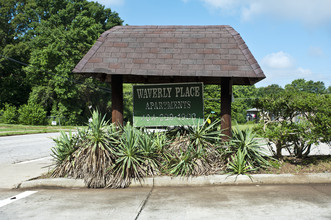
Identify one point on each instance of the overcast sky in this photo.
(290, 39)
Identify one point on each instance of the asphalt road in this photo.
(217, 202)
(14, 149)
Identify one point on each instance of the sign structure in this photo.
(161, 105)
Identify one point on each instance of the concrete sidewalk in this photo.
(18, 174)
(12, 175)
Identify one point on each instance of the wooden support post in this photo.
(226, 95)
(117, 99)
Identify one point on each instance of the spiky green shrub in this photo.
(188, 163)
(238, 164)
(106, 155)
(65, 146)
(195, 149)
(130, 158)
(246, 141)
(94, 154)
(151, 150)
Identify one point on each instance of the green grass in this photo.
(244, 126)
(11, 129)
(14, 129)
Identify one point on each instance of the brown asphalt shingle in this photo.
(172, 54)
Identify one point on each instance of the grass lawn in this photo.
(11, 129)
(244, 126)
(14, 129)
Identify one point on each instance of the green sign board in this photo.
(167, 104)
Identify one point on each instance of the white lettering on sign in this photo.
(154, 93)
(188, 91)
(168, 105)
(161, 93)
(169, 117)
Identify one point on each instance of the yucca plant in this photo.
(93, 155)
(97, 154)
(239, 165)
(130, 159)
(65, 146)
(188, 163)
(150, 150)
(200, 135)
(161, 143)
(245, 141)
(205, 135)
(64, 152)
(194, 145)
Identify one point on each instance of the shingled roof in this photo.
(153, 54)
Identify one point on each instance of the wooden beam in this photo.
(226, 95)
(117, 99)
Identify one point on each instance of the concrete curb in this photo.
(53, 183)
(256, 179)
(214, 180)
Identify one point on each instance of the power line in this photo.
(54, 74)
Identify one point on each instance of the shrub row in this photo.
(28, 114)
(108, 156)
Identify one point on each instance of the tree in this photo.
(268, 90)
(295, 120)
(212, 98)
(306, 86)
(243, 100)
(127, 102)
(16, 18)
(52, 35)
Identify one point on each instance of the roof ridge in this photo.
(207, 51)
(244, 49)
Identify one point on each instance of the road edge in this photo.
(213, 180)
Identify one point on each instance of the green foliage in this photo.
(97, 134)
(200, 136)
(212, 98)
(301, 85)
(152, 147)
(109, 156)
(61, 41)
(52, 36)
(245, 141)
(130, 159)
(65, 146)
(238, 164)
(32, 114)
(295, 120)
(269, 90)
(127, 102)
(186, 163)
(205, 135)
(9, 114)
(194, 150)
(243, 100)
(93, 155)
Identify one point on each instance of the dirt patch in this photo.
(311, 164)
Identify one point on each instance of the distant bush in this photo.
(9, 115)
(32, 114)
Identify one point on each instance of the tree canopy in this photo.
(297, 117)
(52, 36)
(41, 41)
